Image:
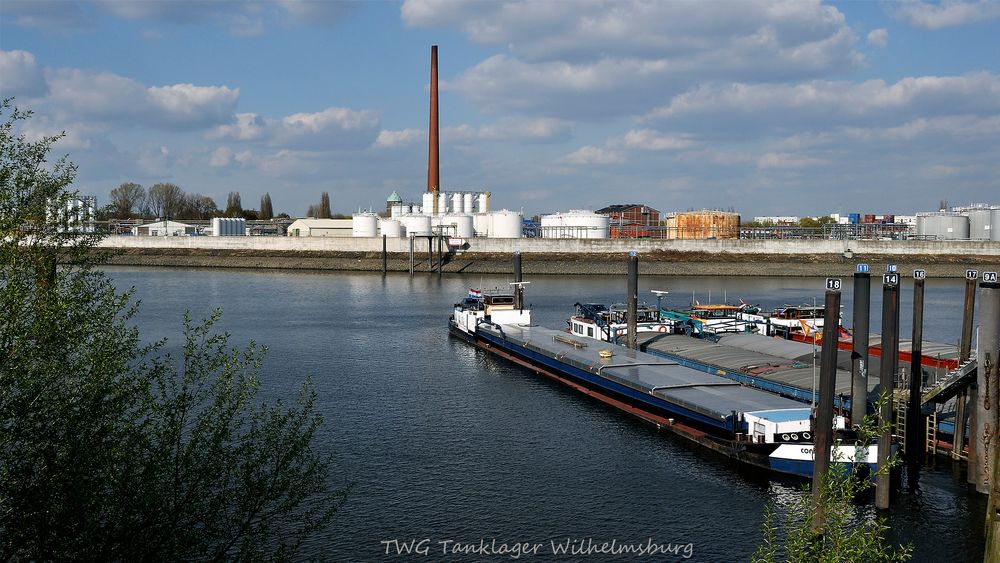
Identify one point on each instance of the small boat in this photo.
(610, 324)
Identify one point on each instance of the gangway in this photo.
(950, 385)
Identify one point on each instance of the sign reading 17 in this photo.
(891, 278)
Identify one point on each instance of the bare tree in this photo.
(197, 206)
(323, 211)
(166, 200)
(126, 199)
(266, 211)
(234, 207)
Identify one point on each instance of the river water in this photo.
(447, 444)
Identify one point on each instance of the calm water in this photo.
(447, 443)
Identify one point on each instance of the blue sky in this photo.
(769, 108)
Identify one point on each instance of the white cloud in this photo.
(529, 130)
(21, 74)
(332, 128)
(392, 139)
(109, 97)
(593, 155)
(878, 37)
(948, 13)
(220, 157)
(787, 161)
(649, 140)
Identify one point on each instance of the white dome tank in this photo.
(505, 224)
(943, 225)
(462, 225)
(481, 224)
(365, 225)
(428, 203)
(216, 225)
(484, 202)
(575, 224)
(457, 204)
(390, 228)
(419, 225)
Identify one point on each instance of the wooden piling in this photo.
(385, 259)
(914, 420)
(411, 255)
(859, 353)
(633, 298)
(987, 420)
(823, 429)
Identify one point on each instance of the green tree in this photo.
(115, 450)
(849, 533)
(266, 210)
(126, 200)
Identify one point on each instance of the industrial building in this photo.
(312, 227)
(631, 220)
(164, 229)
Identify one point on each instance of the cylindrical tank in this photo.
(216, 225)
(706, 224)
(442, 203)
(461, 225)
(428, 203)
(995, 224)
(484, 202)
(457, 203)
(224, 226)
(481, 224)
(576, 223)
(390, 228)
(467, 205)
(943, 225)
(365, 225)
(505, 224)
(416, 224)
(980, 223)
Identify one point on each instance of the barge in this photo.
(751, 426)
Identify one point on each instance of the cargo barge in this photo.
(750, 426)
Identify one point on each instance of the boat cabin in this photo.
(791, 313)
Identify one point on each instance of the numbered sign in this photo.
(990, 277)
(919, 274)
(890, 268)
(862, 268)
(833, 284)
(971, 274)
(891, 278)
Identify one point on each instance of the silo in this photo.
(224, 228)
(481, 224)
(467, 206)
(442, 203)
(943, 225)
(419, 225)
(241, 227)
(365, 225)
(396, 210)
(995, 224)
(428, 203)
(457, 203)
(462, 225)
(707, 224)
(505, 224)
(484, 202)
(390, 228)
(216, 225)
(980, 223)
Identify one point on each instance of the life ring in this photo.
(662, 328)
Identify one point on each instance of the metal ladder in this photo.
(900, 412)
(931, 444)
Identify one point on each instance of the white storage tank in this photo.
(365, 225)
(481, 224)
(505, 224)
(575, 224)
(457, 204)
(980, 223)
(418, 225)
(216, 226)
(390, 228)
(467, 205)
(484, 202)
(442, 203)
(943, 225)
(226, 226)
(995, 224)
(428, 203)
(461, 225)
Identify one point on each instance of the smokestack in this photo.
(433, 169)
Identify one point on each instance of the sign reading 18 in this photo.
(833, 284)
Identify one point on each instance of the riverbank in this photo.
(653, 262)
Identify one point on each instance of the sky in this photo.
(790, 107)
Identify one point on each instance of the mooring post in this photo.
(518, 288)
(965, 347)
(992, 554)
(411, 255)
(430, 253)
(958, 442)
(914, 419)
(633, 298)
(385, 261)
(440, 240)
(860, 338)
(985, 433)
(887, 373)
(823, 431)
